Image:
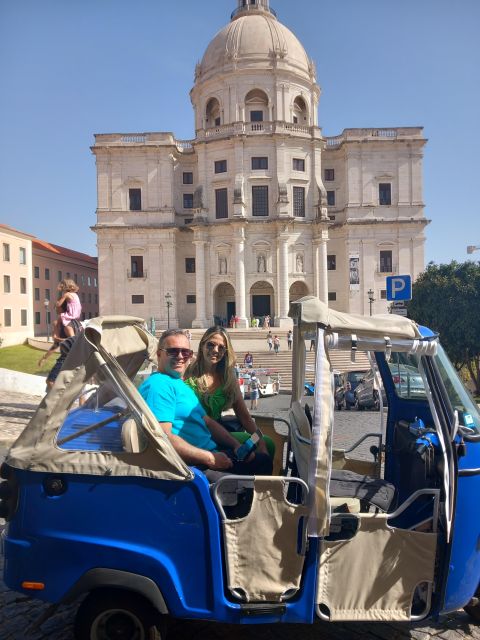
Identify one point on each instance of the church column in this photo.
(239, 239)
(200, 320)
(283, 319)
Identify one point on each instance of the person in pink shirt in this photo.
(69, 307)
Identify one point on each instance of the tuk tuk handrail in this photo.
(358, 442)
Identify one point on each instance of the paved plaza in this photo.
(17, 612)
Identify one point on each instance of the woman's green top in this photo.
(213, 403)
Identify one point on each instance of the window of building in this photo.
(7, 317)
(60, 277)
(136, 266)
(221, 203)
(259, 163)
(188, 200)
(135, 199)
(37, 293)
(23, 317)
(383, 294)
(75, 278)
(256, 116)
(38, 318)
(49, 318)
(6, 252)
(83, 296)
(299, 202)
(332, 262)
(96, 298)
(188, 177)
(386, 263)
(329, 174)
(385, 193)
(23, 285)
(260, 201)
(82, 279)
(47, 273)
(332, 296)
(47, 294)
(36, 272)
(298, 164)
(89, 298)
(191, 299)
(6, 284)
(89, 281)
(330, 198)
(67, 275)
(187, 220)
(22, 255)
(295, 120)
(136, 299)
(189, 265)
(217, 121)
(220, 166)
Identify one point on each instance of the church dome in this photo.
(254, 41)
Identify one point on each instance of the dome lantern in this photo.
(251, 7)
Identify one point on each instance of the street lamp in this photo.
(169, 303)
(46, 303)
(371, 299)
(472, 247)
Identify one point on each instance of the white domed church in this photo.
(259, 208)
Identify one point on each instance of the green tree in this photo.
(446, 298)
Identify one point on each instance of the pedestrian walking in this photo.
(254, 391)
(276, 344)
(270, 341)
(289, 339)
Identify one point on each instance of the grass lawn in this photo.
(25, 358)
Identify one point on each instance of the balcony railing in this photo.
(137, 274)
(386, 268)
(253, 8)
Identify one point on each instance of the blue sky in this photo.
(72, 68)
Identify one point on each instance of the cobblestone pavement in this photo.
(17, 612)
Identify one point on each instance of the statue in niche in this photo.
(299, 263)
(222, 265)
(261, 263)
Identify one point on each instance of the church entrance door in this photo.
(261, 306)
(230, 310)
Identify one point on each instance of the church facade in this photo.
(259, 208)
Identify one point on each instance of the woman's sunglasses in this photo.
(213, 345)
(174, 352)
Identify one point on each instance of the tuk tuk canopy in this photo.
(109, 351)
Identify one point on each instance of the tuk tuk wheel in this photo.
(473, 610)
(117, 615)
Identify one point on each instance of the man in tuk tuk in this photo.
(199, 440)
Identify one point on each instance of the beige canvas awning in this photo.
(111, 349)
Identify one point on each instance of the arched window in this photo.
(212, 113)
(300, 113)
(256, 105)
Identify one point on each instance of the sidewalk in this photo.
(16, 409)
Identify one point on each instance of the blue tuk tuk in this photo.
(99, 504)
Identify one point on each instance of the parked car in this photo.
(367, 392)
(408, 381)
(344, 391)
(269, 380)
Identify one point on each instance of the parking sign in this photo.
(399, 288)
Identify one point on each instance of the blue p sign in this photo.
(399, 288)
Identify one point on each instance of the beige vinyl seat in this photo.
(345, 484)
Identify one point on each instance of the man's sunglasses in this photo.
(175, 352)
(213, 345)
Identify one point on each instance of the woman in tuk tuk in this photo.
(212, 376)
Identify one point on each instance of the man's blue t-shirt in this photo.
(171, 400)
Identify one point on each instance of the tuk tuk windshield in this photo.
(460, 398)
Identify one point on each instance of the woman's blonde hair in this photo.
(68, 285)
(225, 367)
